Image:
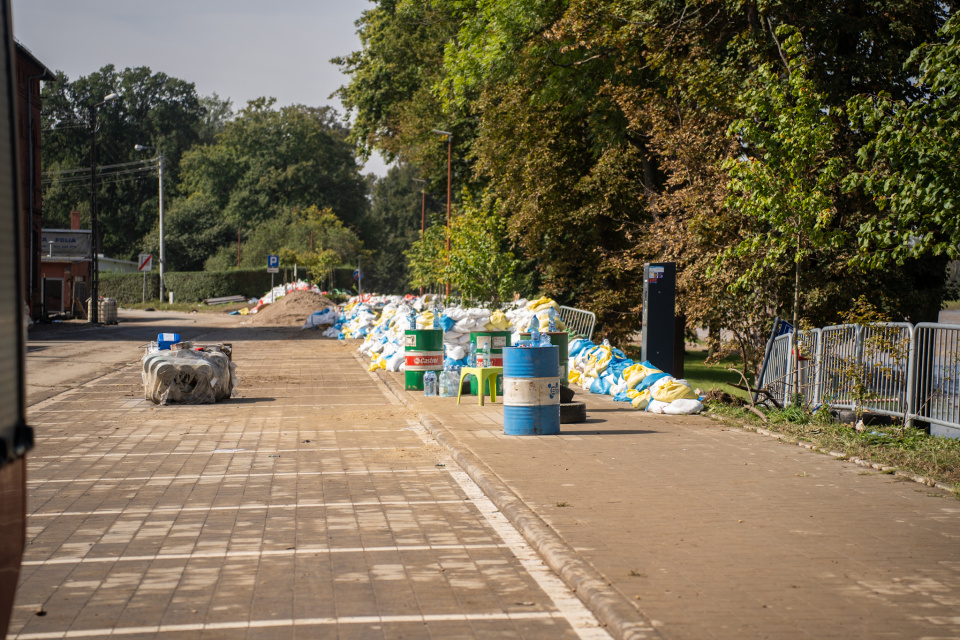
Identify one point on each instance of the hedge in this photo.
(187, 286)
(196, 286)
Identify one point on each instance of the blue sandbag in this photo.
(446, 322)
(579, 345)
(600, 386)
(621, 397)
(647, 382)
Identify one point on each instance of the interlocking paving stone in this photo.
(310, 506)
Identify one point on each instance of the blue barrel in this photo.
(531, 391)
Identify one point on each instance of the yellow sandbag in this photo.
(542, 304)
(639, 399)
(574, 376)
(634, 374)
(498, 322)
(244, 312)
(673, 390)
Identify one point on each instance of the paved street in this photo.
(313, 506)
(326, 502)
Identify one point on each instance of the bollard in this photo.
(531, 391)
(423, 351)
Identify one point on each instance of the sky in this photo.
(238, 49)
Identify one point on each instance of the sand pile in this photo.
(291, 310)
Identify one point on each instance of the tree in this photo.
(269, 161)
(391, 227)
(482, 266)
(153, 109)
(785, 180)
(427, 258)
(909, 167)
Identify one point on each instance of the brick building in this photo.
(30, 73)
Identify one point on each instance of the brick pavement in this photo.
(311, 506)
(714, 532)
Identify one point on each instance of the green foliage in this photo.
(392, 226)
(269, 161)
(153, 109)
(482, 267)
(909, 167)
(308, 237)
(187, 286)
(784, 181)
(601, 128)
(427, 258)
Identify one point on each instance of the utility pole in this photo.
(423, 212)
(449, 174)
(163, 258)
(94, 221)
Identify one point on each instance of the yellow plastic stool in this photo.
(483, 375)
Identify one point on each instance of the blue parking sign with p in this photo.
(273, 261)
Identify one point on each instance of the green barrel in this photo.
(495, 341)
(423, 351)
(561, 340)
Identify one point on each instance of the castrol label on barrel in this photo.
(423, 360)
(531, 392)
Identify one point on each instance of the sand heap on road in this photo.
(291, 310)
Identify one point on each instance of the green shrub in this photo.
(187, 286)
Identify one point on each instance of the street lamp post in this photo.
(449, 159)
(163, 257)
(423, 212)
(94, 221)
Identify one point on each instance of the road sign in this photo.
(357, 274)
(273, 264)
(146, 262)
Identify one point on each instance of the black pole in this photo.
(94, 223)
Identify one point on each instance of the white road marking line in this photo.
(243, 507)
(220, 476)
(199, 555)
(74, 456)
(288, 622)
(581, 619)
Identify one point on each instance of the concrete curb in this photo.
(616, 613)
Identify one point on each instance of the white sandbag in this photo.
(656, 406)
(395, 362)
(457, 353)
(683, 407)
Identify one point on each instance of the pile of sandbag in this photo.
(604, 369)
(188, 376)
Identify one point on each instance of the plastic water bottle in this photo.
(412, 320)
(445, 383)
(473, 354)
(552, 314)
(534, 332)
(429, 384)
(545, 339)
(436, 317)
(483, 356)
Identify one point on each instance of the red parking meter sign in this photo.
(146, 262)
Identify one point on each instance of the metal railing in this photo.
(897, 369)
(936, 375)
(579, 321)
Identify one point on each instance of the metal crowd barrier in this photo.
(578, 320)
(936, 377)
(898, 369)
